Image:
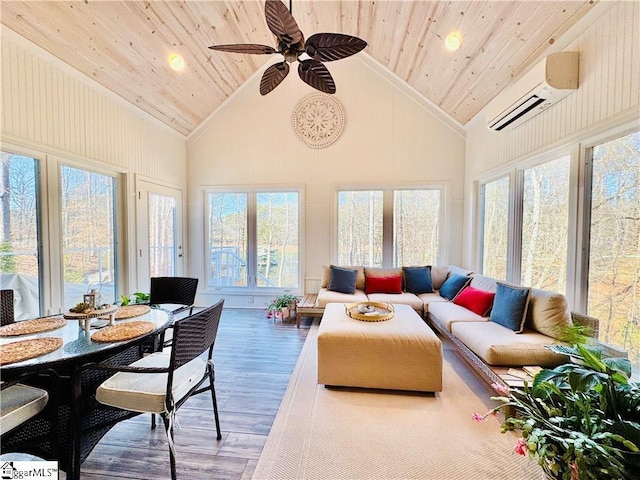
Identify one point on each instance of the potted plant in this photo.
(138, 298)
(281, 305)
(581, 420)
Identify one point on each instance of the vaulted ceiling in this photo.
(124, 45)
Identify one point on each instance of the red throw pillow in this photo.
(478, 301)
(384, 284)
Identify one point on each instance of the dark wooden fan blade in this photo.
(273, 76)
(316, 74)
(252, 48)
(281, 22)
(326, 47)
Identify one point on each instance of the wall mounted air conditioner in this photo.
(548, 82)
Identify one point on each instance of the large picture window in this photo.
(254, 239)
(88, 234)
(495, 227)
(545, 219)
(20, 235)
(389, 227)
(614, 243)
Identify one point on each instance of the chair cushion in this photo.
(145, 392)
(446, 313)
(19, 403)
(548, 313)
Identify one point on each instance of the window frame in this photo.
(252, 287)
(387, 217)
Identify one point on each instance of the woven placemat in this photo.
(124, 331)
(25, 349)
(131, 311)
(36, 325)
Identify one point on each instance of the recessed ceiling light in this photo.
(453, 41)
(176, 62)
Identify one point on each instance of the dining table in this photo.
(77, 420)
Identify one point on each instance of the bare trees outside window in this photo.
(495, 228)
(389, 227)
(614, 243)
(162, 228)
(254, 239)
(88, 233)
(19, 239)
(545, 220)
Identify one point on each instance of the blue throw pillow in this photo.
(510, 306)
(453, 285)
(417, 280)
(342, 280)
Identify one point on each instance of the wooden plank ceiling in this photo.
(124, 45)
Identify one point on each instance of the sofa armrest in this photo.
(592, 323)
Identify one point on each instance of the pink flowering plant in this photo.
(580, 420)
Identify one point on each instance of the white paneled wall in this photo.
(608, 94)
(49, 107)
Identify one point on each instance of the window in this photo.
(360, 228)
(20, 237)
(545, 220)
(614, 243)
(254, 239)
(389, 227)
(88, 225)
(495, 227)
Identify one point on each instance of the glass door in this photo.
(160, 250)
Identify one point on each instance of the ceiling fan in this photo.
(321, 47)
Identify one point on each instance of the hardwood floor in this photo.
(254, 358)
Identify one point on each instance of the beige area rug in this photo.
(332, 434)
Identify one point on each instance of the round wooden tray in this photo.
(124, 331)
(26, 349)
(380, 311)
(27, 327)
(100, 312)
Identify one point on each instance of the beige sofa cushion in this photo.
(324, 283)
(500, 346)
(327, 296)
(459, 270)
(428, 298)
(548, 313)
(438, 275)
(404, 298)
(481, 282)
(447, 313)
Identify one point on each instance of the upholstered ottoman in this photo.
(401, 353)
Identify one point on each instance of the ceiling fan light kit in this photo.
(319, 48)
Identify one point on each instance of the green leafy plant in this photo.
(581, 420)
(136, 298)
(279, 302)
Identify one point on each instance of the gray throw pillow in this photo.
(342, 280)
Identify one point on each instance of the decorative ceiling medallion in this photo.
(318, 120)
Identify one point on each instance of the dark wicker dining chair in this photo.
(171, 377)
(6, 307)
(179, 291)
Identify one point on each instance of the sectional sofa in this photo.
(482, 339)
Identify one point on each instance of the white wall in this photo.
(608, 95)
(53, 110)
(389, 139)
